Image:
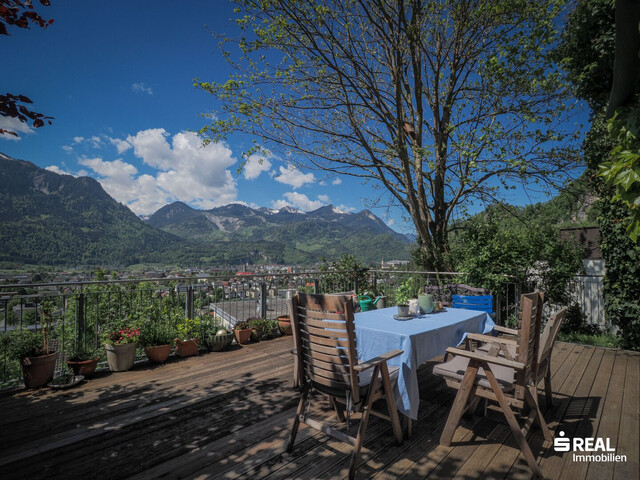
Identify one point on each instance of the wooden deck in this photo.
(227, 415)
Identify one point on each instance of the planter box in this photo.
(284, 323)
(121, 357)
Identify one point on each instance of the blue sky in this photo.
(118, 78)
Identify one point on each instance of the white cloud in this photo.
(14, 125)
(141, 88)
(255, 165)
(300, 201)
(323, 198)
(77, 140)
(58, 170)
(390, 222)
(294, 177)
(186, 171)
(121, 145)
(336, 181)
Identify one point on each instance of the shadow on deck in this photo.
(227, 415)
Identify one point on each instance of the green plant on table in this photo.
(405, 292)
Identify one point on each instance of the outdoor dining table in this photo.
(421, 338)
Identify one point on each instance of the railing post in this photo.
(316, 287)
(355, 285)
(263, 300)
(374, 283)
(188, 307)
(80, 320)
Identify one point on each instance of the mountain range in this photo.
(52, 219)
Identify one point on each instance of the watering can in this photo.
(367, 303)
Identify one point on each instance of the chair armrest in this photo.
(479, 337)
(508, 331)
(361, 367)
(486, 358)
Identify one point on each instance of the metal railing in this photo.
(84, 311)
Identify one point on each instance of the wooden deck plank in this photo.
(568, 419)
(609, 424)
(228, 415)
(628, 442)
(592, 412)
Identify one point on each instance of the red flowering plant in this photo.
(123, 335)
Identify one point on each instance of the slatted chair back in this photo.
(528, 342)
(549, 334)
(324, 335)
(482, 303)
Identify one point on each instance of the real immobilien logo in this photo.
(595, 449)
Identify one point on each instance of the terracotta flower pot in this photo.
(243, 336)
(121, 357)
(187, 348)
(38, 371)
(158, 353)
(85, 368)
(284, 323)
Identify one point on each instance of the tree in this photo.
(621, 255)
(18, 13)
(437, 103)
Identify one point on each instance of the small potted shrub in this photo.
(258, 327)
(187, 340)
(31, 349)
(83, 360)
(120, 345)
(157, 338)
(403, 294)
(243, 332)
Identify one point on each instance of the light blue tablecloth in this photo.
(422, 338)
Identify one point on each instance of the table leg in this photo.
(408, 425)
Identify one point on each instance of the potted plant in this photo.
(157, 338)
(31, 349)
(83, 360)
(187, 340)
(120, 345)
(284, 323)
(243, 332)
(271, 329)
(218, 340)
(258, 327)
(65, 379)
(403, 294)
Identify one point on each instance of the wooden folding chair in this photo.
(510, 382)
(324, 336)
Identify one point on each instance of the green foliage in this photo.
(405, 292)
(495, 247)
(19, 344)
(622, 279)
(156, 332)
(188, 328)
(343, 274)
(592, 74)
(587, 50)
(622, 172)
(80, 353)
(600, 340)
(576, 323)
